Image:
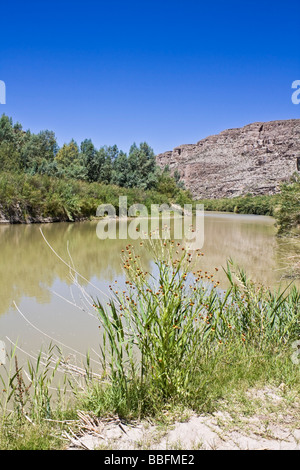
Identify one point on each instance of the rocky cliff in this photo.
(253, 159)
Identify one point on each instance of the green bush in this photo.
(259, 205)
(288, 212)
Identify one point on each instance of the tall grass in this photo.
(158, 331)
(31, 403)
(27, 391)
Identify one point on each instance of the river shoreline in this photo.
(19, 218)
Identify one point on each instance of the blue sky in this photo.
(164, 72)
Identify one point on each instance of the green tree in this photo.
(11, 141)
(70, 161)
(120, 170)
(178, 180)
(6, 129)
(10, 158)
(89, 159)
(39, 151)
(143, 171)
(166, 184)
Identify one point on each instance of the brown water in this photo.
(33, 277)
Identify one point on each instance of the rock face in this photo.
(253, 159)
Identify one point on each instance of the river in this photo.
(37, 293)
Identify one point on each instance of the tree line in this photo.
(24, 151)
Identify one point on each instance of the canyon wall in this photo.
(253, 159)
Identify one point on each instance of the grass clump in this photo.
(170, 334)
(34, 410)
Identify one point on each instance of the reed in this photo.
(158, 330)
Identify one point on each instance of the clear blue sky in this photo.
(164, 72)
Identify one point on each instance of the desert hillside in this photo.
(253, 159)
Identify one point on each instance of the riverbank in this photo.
(26, 199)
(225, 355)
(256, 418)
(257, 205)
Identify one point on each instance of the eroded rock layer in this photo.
(253, 159)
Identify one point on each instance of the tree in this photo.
(6, 129)
(11, 140)
(89, 154)
(10, 159)
(143, 171)
(166, 184)
(177, 178)
(70, 162)
(120, 170)
(38, 151)
(104, 156)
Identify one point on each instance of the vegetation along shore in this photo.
(40, 182)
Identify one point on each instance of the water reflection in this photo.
(30, 272)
